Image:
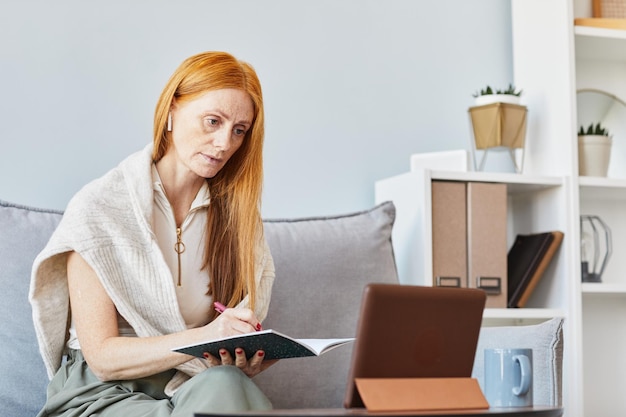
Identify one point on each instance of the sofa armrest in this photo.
(24, 232)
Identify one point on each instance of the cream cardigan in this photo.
(109, 223)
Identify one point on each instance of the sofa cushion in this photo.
(546, 341)
(24, 231)
(322, 265)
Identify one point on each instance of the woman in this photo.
(142, 254)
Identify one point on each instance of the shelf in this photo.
(517, 183)
(593, 43)
(519, 316)
(602, 188)
(601, 28)
(603, 288)
(602, 182)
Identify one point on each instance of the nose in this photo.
(222, 138)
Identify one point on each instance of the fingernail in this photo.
(222, 351)
(206, 355)
(238, 351)
(261, 353)
(258, 326)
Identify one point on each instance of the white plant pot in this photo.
(594, 154)
(496, 98)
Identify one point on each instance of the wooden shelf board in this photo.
(599, 22)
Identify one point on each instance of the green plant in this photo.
(596, 129)
(510, 90)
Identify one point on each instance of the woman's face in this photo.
(208, 130)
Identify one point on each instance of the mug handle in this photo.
(524, 386)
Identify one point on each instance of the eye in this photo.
(211, 121)
(239, 131)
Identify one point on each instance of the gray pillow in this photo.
(24, 231)
(322, 265)
(546, 341)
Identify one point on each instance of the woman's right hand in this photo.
(234, 321)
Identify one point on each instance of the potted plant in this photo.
(488, 95)
(498, 121)
(594, 150)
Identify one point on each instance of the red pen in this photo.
(219, 307)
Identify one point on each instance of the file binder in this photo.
(449, 223)
(486, 241)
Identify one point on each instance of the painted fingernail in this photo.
(238, 351)
(261, 353)
(206, 355)
(258, 326)
(222, 351)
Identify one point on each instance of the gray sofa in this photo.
(322, 265)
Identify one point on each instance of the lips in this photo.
(211, 159)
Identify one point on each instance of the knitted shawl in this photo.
(108, 223)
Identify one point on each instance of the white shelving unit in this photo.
(553, 59)
(600, 62)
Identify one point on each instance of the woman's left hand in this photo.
(250, 367)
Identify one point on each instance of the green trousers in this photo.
(76, 392)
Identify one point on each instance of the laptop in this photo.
(407, 331)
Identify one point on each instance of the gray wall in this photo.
(352, 87)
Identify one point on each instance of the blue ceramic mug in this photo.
(508, 378)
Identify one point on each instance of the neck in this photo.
(181, 188)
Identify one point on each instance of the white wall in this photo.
(352, 87)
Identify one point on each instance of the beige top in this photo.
(194, 303)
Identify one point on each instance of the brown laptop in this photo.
(407, 331)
